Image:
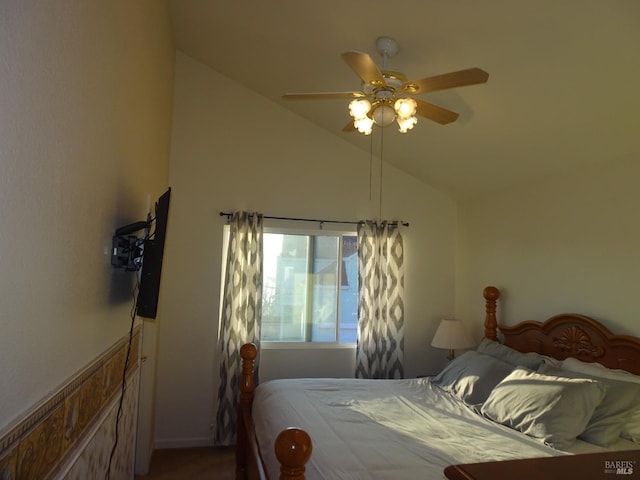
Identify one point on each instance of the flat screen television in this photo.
(153, 251)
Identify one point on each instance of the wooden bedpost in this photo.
(248, 352)
(293, 449)
(491, 295)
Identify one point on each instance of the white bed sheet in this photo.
(382, 429)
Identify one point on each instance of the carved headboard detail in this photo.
(566, 335)
(576, 342)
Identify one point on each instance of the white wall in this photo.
(564, 244)
(85, 126)
(232, 149)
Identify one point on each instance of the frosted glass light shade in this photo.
(384, 115)
(406, 124)
(364, 125)
(359, 108)
(405, 107)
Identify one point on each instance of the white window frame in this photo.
(305, 345)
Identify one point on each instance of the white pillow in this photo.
(631, 430)
(613, 413)
(553, 409)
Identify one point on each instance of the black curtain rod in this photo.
(313, 220)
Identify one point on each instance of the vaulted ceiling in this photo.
(563, 87)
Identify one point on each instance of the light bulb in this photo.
(405, 107)
(359, 108)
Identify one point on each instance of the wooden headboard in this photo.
(565, 335)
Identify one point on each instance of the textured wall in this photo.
(85, 125)
(86, 96)
(562, 244)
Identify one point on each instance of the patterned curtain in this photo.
(240, 319)
(380, 347)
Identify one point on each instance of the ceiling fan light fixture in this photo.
(385, 95)
(364, 125)
(405, 107)
(359, 108)
(383, 114)
(407, 123)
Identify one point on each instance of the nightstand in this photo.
(585, 466)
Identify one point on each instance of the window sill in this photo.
(306, 346)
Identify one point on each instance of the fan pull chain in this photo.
(380, 185)
(370, 167)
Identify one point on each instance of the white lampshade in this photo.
(452, 335)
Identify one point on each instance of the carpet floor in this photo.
(192, 464)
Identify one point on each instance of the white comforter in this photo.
(381, 429)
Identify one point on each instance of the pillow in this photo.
(471, 376)
(553, 409)
(618, 404)
(631, 430)
(532, 361)
(597, 369)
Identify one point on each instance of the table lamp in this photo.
(452, 335)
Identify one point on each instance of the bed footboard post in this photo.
(491, 295)
(248, 352)
(293, 449)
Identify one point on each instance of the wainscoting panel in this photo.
(71, 434)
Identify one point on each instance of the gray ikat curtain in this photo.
(380, 347)
(240, 319)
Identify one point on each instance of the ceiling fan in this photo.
(387, 95)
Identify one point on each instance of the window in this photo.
(309, 287)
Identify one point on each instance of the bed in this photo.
(478, 409)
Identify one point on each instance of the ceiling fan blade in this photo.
(470, 76)
(365, 68)
(321, 95)
(349, 127)
(435, 113)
